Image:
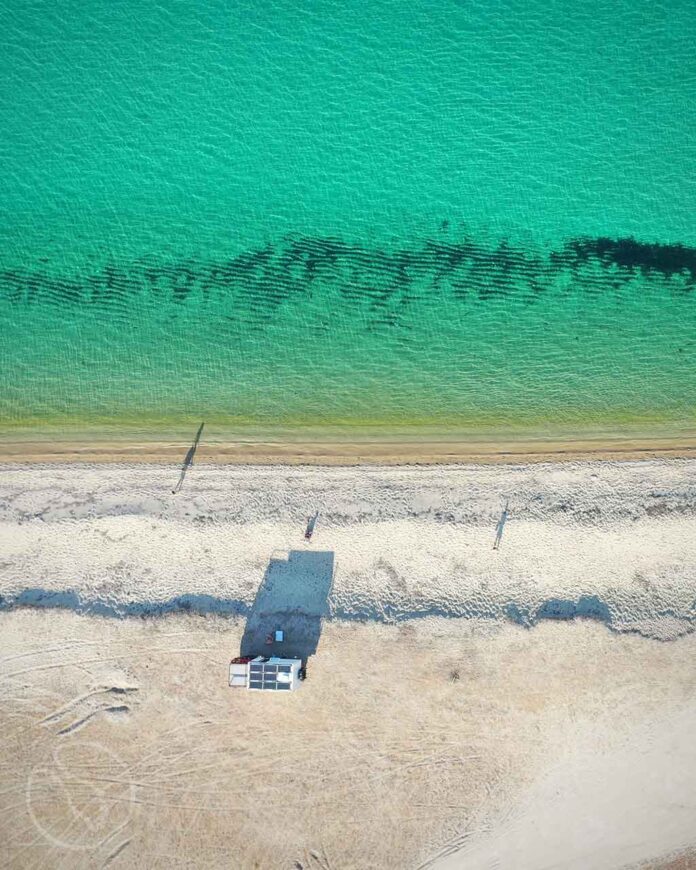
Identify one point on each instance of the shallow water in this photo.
(394, 219)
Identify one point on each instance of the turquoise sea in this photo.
(347, 218)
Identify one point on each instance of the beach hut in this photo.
(263, 673)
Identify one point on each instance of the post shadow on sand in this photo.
(188, 460)
(311, 523)
(500, 527)
(293, 597)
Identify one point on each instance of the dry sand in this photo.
(123, 747)
(455, 739)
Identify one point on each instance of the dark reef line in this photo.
(267, 277)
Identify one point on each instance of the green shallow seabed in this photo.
(407, 220)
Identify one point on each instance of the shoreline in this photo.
(348, 453)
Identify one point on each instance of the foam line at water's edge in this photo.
(552, 609)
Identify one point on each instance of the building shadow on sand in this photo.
(293, 598)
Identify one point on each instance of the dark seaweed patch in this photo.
(630, 254)
(383, 281)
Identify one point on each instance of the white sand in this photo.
(606, 802)
(406, 541)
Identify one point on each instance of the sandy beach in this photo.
(347, 435)
(528, 705)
